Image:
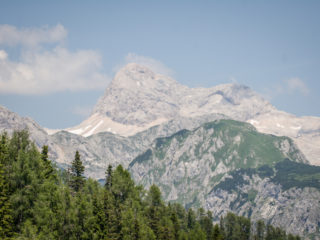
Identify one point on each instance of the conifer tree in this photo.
(113, 228)
(109, 173)
(48, 171)
(77, 170)
(44, 153)
(4, 153)
(154, 210)
(260, 230)
(191, 219)
(217, 234)
(6, 220)
(100, 221)
(176, 225)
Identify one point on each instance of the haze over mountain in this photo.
(138, 99)
(186, 141)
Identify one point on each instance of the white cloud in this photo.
(42, 70)
(52, 71)
(149, 62)
(31, 37)
(297, 85)
(285, 87)
(83, 111)
(3, 55)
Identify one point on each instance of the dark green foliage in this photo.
(286, 172)
(49, 170)
(236, 227)
(265, 171)
(108, 183)
(77, 170)
(230, 184)
(217, 233)
(260, 230)
(6, 219)
(275, 233)
(292, 174)
(42, 204)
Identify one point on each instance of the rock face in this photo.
(228, 166)
(138, 99)
(99, 150)
(10, 121)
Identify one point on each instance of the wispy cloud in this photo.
(295, 85)
(287, 87)
(42, 71)
(31, 37)
(3, 55)
(149, 62)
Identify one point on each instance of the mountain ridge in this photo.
(227, 165)
(138, 99)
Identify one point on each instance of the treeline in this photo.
(39, 202)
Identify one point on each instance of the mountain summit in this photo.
(138, 99)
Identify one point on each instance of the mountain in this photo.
(223, 148)
(10, 121)
(98, 150)
(138, 99)
(101, 149)
(227, 165)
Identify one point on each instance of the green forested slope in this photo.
(39, 202)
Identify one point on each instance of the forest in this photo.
(40, 201)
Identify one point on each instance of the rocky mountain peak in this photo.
(138, 98)
(136, 77)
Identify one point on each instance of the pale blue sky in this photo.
(63, 46)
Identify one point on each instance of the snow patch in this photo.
(93, 129)
(253, 122)
(77, 131)
(279, 125)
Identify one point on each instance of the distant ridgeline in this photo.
(39, 202)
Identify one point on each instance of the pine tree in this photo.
(191, 219)
(176, 225)
(4, 152)
(99, 221)
(260, 230)
(6, 220)
(206, 224)
(122, 185)
(109, 174)
(154, 210)
(48, 171)
(44, 153)
(113, 225)
(217, 234)
(77, 170)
